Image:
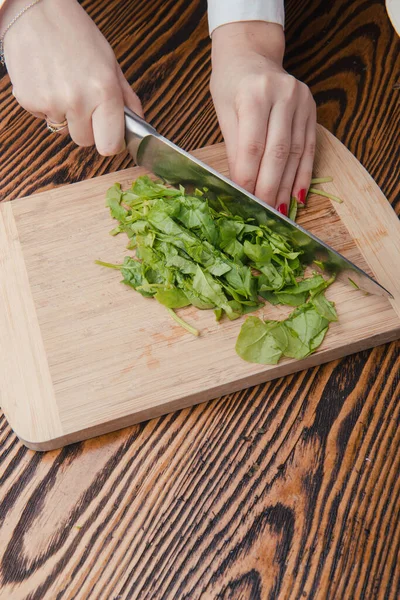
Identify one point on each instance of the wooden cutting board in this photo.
(81, 354)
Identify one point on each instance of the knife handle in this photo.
(136, 129)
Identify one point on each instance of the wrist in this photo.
(260, 37)
(9, 10)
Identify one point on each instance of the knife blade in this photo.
(165, 159)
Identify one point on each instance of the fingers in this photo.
(109, 125)
(286, 167)
(55, 115)
(297, 145)
(130, 98)
(277, 151)
(35, 107)
(95, 115)
(108, 118)
(304, 172)
(36, 114)
(80, 128)
(106, 128)
(250, 143)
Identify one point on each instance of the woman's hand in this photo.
(267, 117)
(62, 67)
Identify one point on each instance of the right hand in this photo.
(62, 67)
(267, 117)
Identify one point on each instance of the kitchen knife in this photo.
(151, 150)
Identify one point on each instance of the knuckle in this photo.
(285, 189)
(280, 151)
(291, 87)
(106, 86)
(250, 82)
(74, 101)
(261, 88)
(296, 149)
(23, 100)
(246, 182)
(255, 149)
(53, 108)
(34, 105)
(248, 94)
(254, 91)
(47, 100)
(304, 89)
(310, 149)
(28, 101)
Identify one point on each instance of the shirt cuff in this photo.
(221, 12)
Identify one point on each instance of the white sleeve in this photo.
(221, 12)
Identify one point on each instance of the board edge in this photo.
(379, 246)
(288, 368)
(26, 387)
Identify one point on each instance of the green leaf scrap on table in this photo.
(186, 253)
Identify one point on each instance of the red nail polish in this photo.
(283, 209)
(302, 196)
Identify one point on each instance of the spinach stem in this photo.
(353, 283)
(109, 265)
(182, 323)
(322, 180)
(325, 194)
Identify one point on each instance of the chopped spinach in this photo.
(187, 253)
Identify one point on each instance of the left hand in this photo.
(267, 117)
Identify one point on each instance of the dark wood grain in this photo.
(287, 490)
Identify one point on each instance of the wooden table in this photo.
(286, 490)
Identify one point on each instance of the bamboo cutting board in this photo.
(81, 354)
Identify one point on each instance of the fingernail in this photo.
(283, 209)
(302, 196)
